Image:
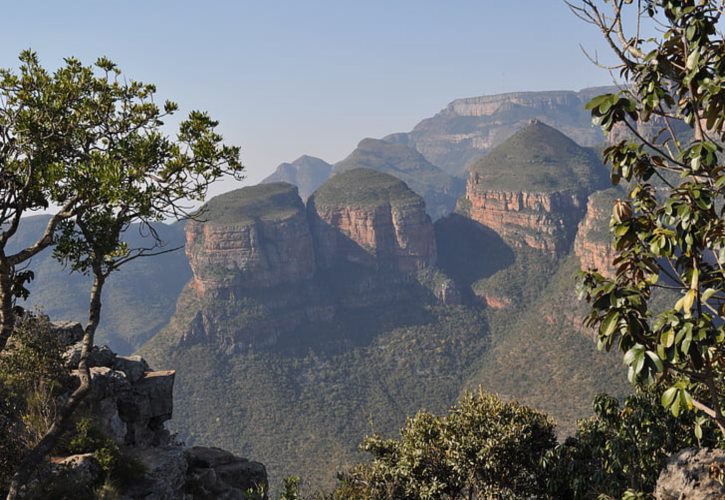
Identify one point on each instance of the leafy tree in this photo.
(670, 232)
(622, 448)
(484, 448)
(91, 142)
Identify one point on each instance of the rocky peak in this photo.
(306, 172)
(438, 189)
(371, 218)
(532, 188)
(253, 237)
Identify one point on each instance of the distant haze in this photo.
(290, 78)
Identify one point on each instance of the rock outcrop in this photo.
(372, 219)
(253, 237)
(306, 172)
(532, 189)
(693, 473)
(262, 262)
(129, 404)
(593, 245)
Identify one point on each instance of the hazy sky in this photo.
(314, 77)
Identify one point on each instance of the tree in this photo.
(92, 143)
(623, 447)
(669, 234)
(483, 448)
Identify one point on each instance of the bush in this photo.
(483, 448)
(622, 448)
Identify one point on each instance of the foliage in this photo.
(483, 448)
(622, 447)
(362, 187)
(91, 142)
(539, 158)
(673, 237)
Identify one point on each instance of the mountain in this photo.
(468, 128)
(137, 301)
(438, 189)
(306, 327)
(306, 172)
(532, 188)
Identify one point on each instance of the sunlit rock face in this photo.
(532, 189)
(372, 219)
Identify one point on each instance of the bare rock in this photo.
(216, 473)
(165, 475)
(68, 332)
(135, 367)
(693, 474)
(83, 471)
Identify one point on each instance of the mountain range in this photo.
(332, 301)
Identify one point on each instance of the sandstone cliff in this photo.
(593, 243)
(370, 218)
(268, 271)
(254, 237)
(532, 189)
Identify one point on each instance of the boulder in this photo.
(693, 474)
(68, 332)
(216, 473)
(135, 367)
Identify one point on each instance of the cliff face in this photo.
(266, 244)
(593, 244)
(380, 224)
(544, 221)
(265, 268)
(532, 189)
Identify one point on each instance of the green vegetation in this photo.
(603, 201)
(623, 447)
(275, 201)
(483, 448)
(89, 142)
(364, 188)
(670, 237)
(539, 158)
(439, 189)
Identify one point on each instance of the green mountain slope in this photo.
(439, 189)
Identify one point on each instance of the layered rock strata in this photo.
(372, 219)
(250, 238)
(532, 189)
(593, 244)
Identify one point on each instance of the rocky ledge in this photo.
(129, 404)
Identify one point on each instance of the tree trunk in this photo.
(7, 316)
(35, 457)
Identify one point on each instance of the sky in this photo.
(287, 78)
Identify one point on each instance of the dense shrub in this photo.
(483, 448)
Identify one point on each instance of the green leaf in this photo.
(609, 325)
(669, 396)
